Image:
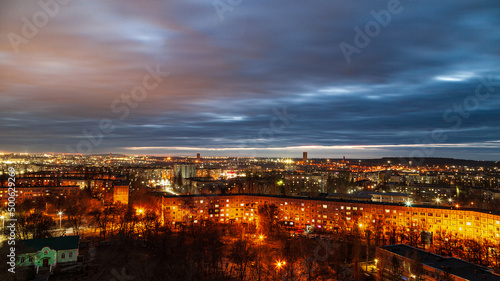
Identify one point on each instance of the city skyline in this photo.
(383, 79)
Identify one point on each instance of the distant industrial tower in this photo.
(304, 156)
(198, 157)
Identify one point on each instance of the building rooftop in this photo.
(56, 243)
(400, 194)
(457, 267)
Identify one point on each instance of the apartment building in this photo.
(332, 214)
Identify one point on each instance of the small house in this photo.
(48, 252)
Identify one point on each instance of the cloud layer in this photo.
(230, 77)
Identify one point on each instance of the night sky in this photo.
(258, 78)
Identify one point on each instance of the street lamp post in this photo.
(140, 211)
(368, 233)
(261, 237)
(60, 220)
(279, 265)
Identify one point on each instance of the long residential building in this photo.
(332, 214)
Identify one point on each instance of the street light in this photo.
(280, 264)
(60, 220)
(367, 244)
(261, 238)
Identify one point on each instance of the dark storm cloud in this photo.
(229, 79)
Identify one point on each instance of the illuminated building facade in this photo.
(121, 194)
(185, 171)
(330, 214)
(33, 192)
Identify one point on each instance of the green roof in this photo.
(56, 243)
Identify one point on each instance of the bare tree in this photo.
(242, 254)
(76, 208)
(36, 224)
